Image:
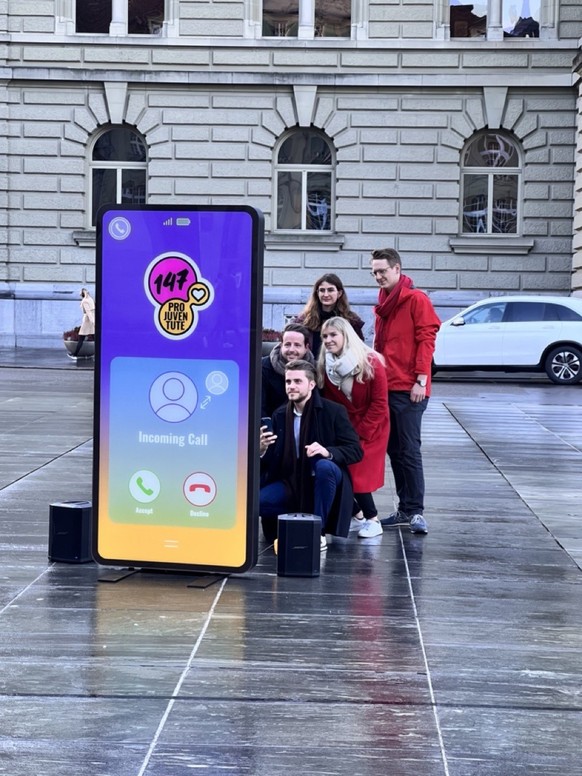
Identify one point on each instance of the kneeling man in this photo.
(304, 460)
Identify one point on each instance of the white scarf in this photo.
(341, 371)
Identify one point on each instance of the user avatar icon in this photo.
(173, 397)
(217, 382)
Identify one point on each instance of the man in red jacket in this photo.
(406, 326)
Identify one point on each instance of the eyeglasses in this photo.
(381, 272)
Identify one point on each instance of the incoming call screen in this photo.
(176, 379)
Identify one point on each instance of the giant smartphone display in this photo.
(177, 383)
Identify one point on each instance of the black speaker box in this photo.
(70, 532)
(298, 545)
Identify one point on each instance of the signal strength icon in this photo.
(168, 222)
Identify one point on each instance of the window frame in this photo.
(306, 26)
(549, 14)
(65, 20)
(304, 169)
(119, 166)
(491, 172)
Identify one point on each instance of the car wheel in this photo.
(563, 365)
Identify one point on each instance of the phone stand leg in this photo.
(206, 580)
(117, 575)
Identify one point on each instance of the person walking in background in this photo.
(354, 375)
(294, 344)
(88, 323)
(406, 326)
(328, 300)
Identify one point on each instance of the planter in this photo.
(87, 348)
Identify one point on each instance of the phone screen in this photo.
(177, 373)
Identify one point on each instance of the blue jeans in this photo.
(274, 499)
(404, 451)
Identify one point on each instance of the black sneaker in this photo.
(418, 524)
(396, 518)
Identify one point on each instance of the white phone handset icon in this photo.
(119, 228)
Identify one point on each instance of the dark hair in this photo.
(389, 255)
(311, 316)
(301, 365)
(297, 327)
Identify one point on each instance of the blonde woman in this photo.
(352, 374)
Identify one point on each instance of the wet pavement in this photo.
(454, 654)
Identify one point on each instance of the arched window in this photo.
(304, 182)
(491, 181)
(118, 169)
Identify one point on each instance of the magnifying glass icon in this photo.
(216, 383)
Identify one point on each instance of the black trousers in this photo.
(365, 502)
(404, 450)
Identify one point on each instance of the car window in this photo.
(487, 313)
(559, 312)
(525, 312)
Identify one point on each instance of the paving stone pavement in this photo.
(454, 654)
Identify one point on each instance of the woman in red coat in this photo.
(352, 374)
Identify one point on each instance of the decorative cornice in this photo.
(283, 241)
(85, 238)
(492, 244)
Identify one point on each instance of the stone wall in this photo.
(398, 108)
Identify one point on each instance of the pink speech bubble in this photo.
(171, 278)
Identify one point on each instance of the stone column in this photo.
(494, 27)
(118, 24)
(577, 239)
(306, 19)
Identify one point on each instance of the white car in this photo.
(515, 334)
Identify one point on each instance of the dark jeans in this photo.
(404, 451)
(274, 500)
(79, 344)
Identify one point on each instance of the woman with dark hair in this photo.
(328, 300)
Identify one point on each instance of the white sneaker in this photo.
(356, 524)
(371, 528)
(323, 544)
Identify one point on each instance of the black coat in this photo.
(272, 388)
(333, 430)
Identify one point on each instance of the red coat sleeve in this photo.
(426, 326)
(376, 413)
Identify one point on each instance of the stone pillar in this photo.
(306, 19)
(118, 24)
(577, 239)
(494, 27)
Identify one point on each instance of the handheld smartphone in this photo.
(268, 423)
(176, 387)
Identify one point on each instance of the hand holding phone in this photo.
(267, 437)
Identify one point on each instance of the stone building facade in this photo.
(418, 127)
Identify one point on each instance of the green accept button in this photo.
(144, 486)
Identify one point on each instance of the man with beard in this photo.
(305, 458)
(294, 345)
